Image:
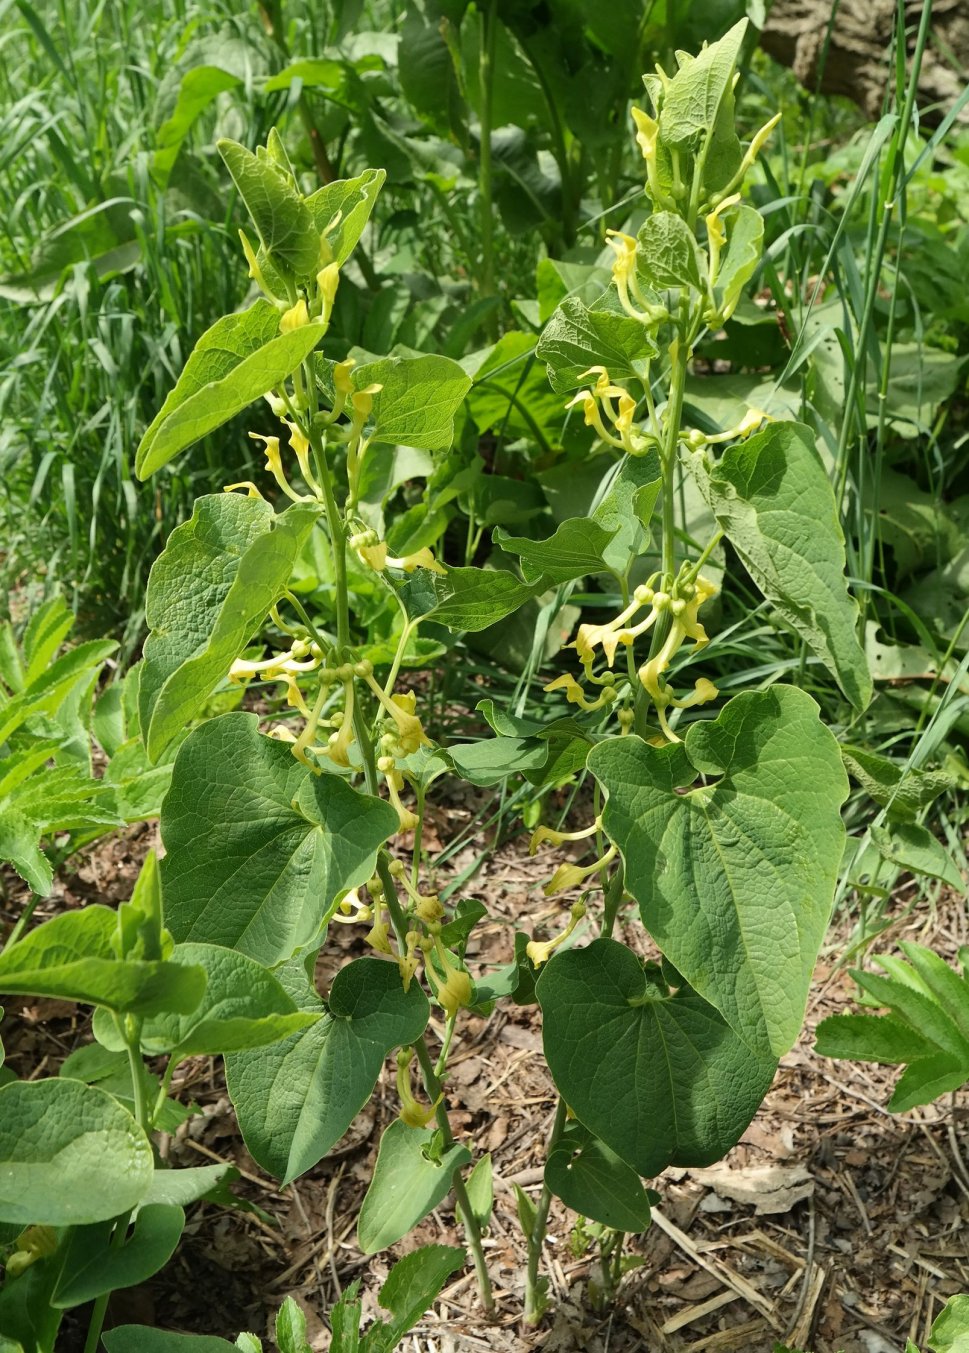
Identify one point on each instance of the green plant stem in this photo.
(432, 1083)
(533, 1297)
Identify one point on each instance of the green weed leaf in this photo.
(244, 1006)
(73, 957)
(577, 548)
(577, 338)
(735, 879)
(258, 847)
(411, 1286)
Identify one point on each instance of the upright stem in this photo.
(534, 1303)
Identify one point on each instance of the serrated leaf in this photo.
(20, 847)
(295, 1099)
(735, 878)
(418, 401)
(577, 338)
(208, 591)
(258, 847)
(405, 1186)
(235, 362)
(411, 1286)
(73, 957)
(577, 548)
(53, 1131)
(660, 1081)
(774, 502)
(871, 1038)
(593, 1181)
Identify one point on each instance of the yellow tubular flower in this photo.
(457, 989)
(294, 318)
(703, 692)
(409, 961)
(422, 558)
(543, 834)
(572, 875)
(717, 235)
(274, 465)
(647, 130)
(377, 936)
(592, 416)
(374, 555)
(539, 951)
(252, 491)
(327, 281)
(412, 1113)
(255, 272)
(301, 447)
(574, 692)
(339, 743)
(406, 819)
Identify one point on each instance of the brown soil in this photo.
(834, 1225)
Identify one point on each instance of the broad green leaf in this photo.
(914, 848)
(577, 338)
(199, 87)
(239, 359)
(902, 792)
(188, 1185)
(407, 1183)
(208, 592)
(342, 209)
(468, 599)
(285, 224)
(774, 502)
(660, 1080)
(927, 1079)
(295, 1099)
(593, 1181)
(693, 97)
(490, 761)
(735, 878)
(317, 73)
(93, 1266)
(20, 847)
(243, 1007)
(145, 1339)
(950, 1329)
(70, 1155)
(74, 957)
(258, 847)
(738, 260)
(577, 548)
(418, 401)
(411, 1286)
(667, 254)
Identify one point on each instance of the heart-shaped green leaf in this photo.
(70, 1155)
(296, 1099)
(93, 1266)
(407, 1184)
(774, 502)
(735, 878)
(661, 1080)
(258, 847)
(593, 1181)
(208, 591)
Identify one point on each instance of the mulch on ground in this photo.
(833, 1225)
